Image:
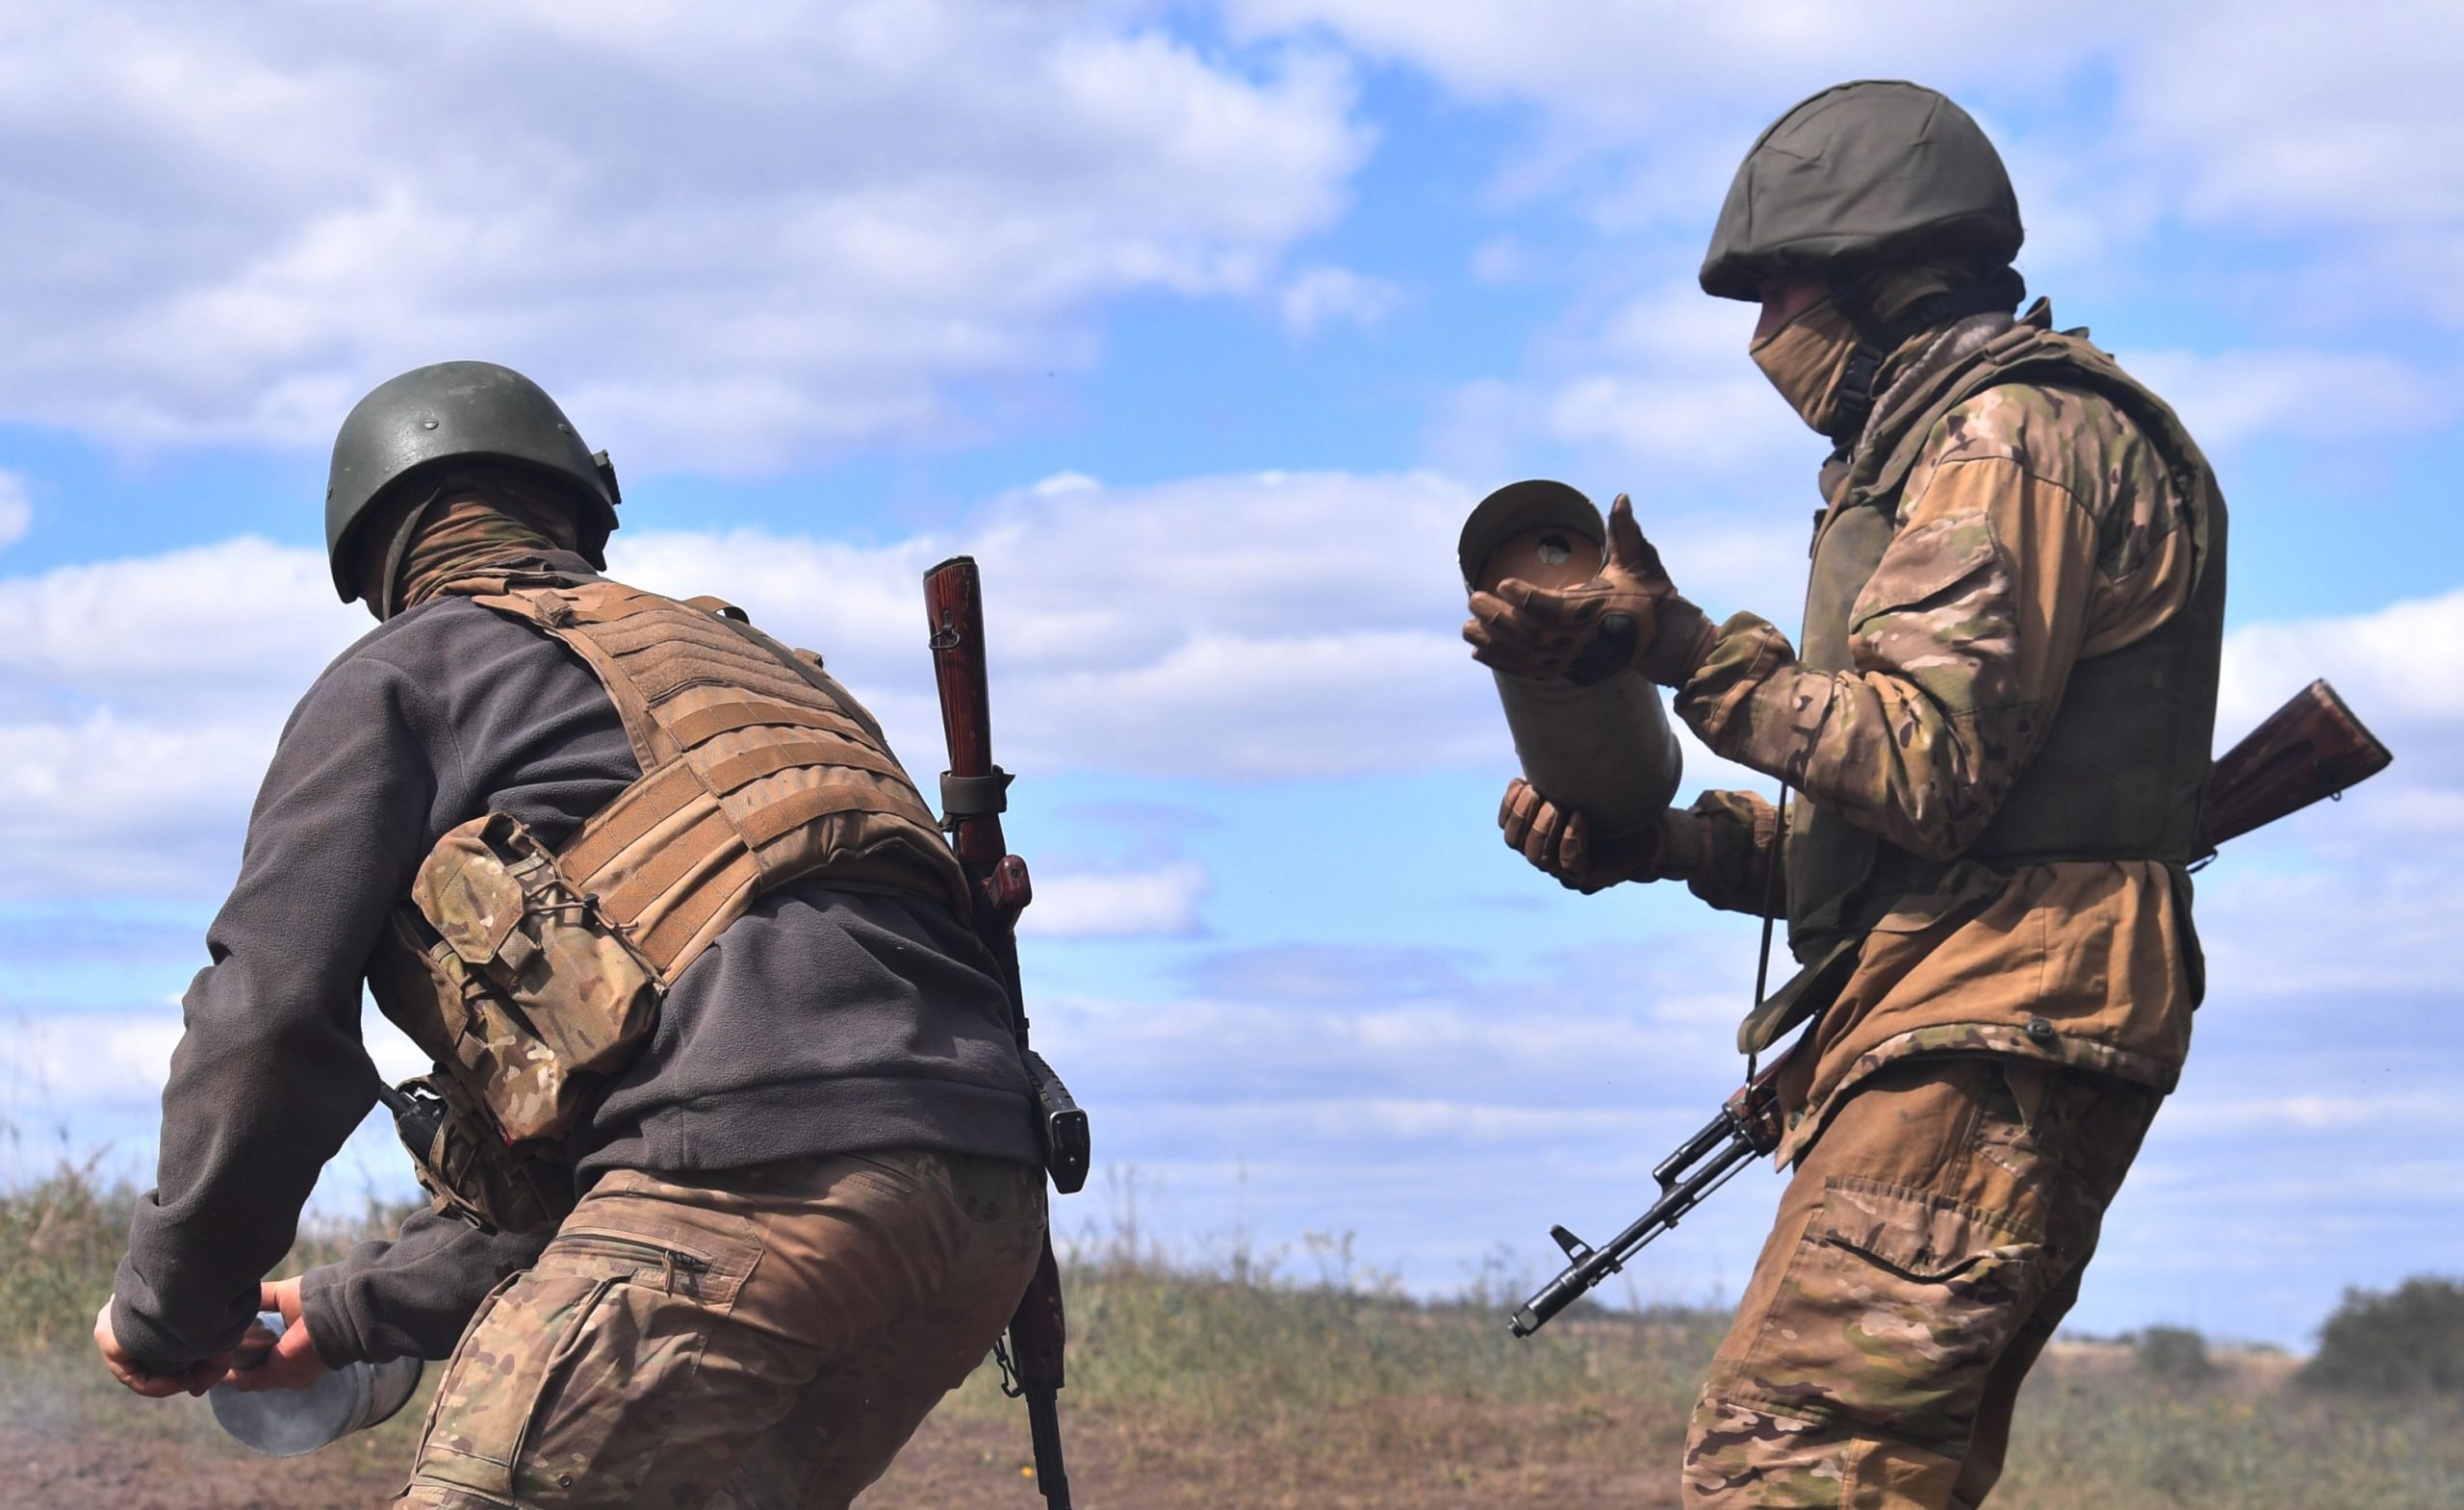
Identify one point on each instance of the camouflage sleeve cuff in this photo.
(1737, 658)
(1721, 847)
(1683, 633)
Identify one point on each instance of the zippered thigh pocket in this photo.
(569, 1384)
(505, 1363)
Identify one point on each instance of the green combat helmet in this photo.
(1863, 173)
(458, 411)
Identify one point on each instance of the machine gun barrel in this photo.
(1590, 1265)
(1746, 1128)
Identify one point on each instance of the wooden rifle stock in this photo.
(954, 604)
(2310, 748)
(973, 795)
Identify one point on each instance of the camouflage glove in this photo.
(1627, 617)
(1559, 841)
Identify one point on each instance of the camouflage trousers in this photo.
(763, 1342)
(1928, 1245)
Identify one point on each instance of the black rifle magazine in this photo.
(1066, 1151)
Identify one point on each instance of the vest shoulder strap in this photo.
(757, 769)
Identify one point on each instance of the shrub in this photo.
(59, 1243)
(2174, 1355)
(2408, 1341)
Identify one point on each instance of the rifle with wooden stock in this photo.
(974, 794)
(2310, 749)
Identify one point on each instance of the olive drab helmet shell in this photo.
(1874, 172)
(451, 411)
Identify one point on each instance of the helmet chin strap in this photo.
(2001, 290)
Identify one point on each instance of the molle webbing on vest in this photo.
(757, 769)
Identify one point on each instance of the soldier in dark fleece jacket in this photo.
(800, 1206)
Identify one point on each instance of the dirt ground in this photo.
(1433, 1452)
(1382, 1457)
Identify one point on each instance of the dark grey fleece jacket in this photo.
(821, 1021)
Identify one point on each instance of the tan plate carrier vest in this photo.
(532, 978)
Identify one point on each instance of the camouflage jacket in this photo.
(2086, 963)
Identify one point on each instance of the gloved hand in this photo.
(1590, 633)
(1559, 841)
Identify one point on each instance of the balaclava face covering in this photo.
(1807, 357)
(465, 522)
(1804, 359)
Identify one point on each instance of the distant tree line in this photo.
(2405, 1341)
(2408, 1341)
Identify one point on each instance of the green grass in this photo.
(2085, 1442)
(1219, 1347)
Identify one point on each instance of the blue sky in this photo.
(1202, 327)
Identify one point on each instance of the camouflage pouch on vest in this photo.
(469, 1171)
(513, 982)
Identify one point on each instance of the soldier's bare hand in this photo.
(140, 1380)
(1560, 842)
(1584, 633)
(288, 1362)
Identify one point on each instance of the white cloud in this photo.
(1499, 260)
(1659, 383)
(139, 703)
(17, 509)
(2266, 162)
(68, 1063)
(1131, 903)
(2232, 397)
(2402, 662)
(1655, 385)
(2274, 114)
(2401, 670)
(1625, 68)
(730, 237)
(1264, 626)
(1243, 626)
(2318, 1112)
(2307, 115)
(1270, 626)
(1319, 296)
(105, 1057)
(93, 1079)
(1667, 100)
(196, 629)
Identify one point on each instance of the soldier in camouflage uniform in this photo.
(1996, 724)
(762, 1192)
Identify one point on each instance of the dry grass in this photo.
(1228, 1383)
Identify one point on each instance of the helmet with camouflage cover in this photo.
(458, 411)
(1863, 173)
